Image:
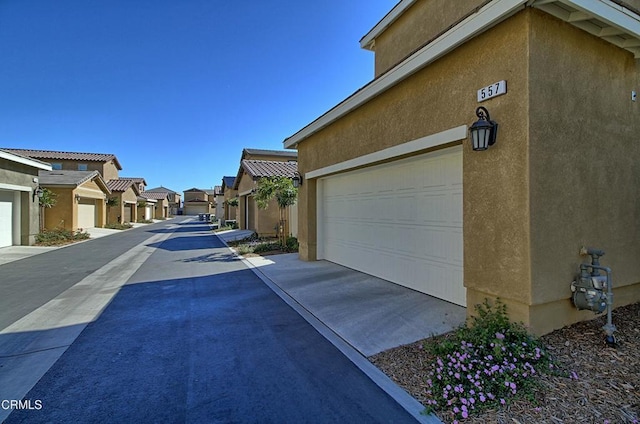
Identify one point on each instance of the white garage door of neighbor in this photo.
(400, 221)
(6, 218)
(148, 212)
(86, 213)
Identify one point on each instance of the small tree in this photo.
(47, 200)
(285, 194)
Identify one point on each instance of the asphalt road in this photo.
(193, 337)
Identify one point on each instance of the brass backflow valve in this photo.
(593, 291)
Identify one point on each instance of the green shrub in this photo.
(266, 247)
(118, 226)
(484, 364)
(145, 221)
(291, 245)
(60, 236)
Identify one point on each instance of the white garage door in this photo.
(86, 213)
(6, 218)
(400, 221)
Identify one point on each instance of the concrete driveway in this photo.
(195, 336)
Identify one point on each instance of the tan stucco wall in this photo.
(61, 215)
(120, 213)
(563, 173)
(422, 22)
(108, 170)
(230, 212)
(584, 159)
(262, 221)
(22, 175)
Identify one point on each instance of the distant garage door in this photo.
(400, 221)
(86, 213)
(6, 218)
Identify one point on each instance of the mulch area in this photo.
(605, 388)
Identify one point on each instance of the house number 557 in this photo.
(493, 90)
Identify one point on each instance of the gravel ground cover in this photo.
(602, 384)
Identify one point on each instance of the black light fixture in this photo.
(38, 192)
(483, 131)
(297, 180)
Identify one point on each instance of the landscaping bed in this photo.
(594, 383)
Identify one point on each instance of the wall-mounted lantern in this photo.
(38, 192)
(77, 198)
(483, 131)
(297, 180)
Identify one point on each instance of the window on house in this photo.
(56, 166)
(82, 167)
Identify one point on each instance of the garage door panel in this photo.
(6, 218)
(86, 213)
(401, 221)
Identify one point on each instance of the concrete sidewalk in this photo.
(15, 253)
(370, 314)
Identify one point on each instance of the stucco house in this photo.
(199, 200)
(391, 185)
(160, 201)
(265, 222)
(173, 198)
(229, 194)
(80, 199)
(125, 193)
(105, 163)
(19, 207)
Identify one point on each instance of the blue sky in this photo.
(176, 88)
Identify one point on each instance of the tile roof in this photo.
(68, 178)
(228, 181)
(134, 179)
(283, 153)
(160, 189)
(119, 185)
(154, 195)
(146, 199)
(268, 168)
(55, 155)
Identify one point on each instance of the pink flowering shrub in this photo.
(485, 364)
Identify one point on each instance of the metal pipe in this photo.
(608, 328)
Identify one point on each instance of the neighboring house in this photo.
(80, 199)
(229, 194)
(161, 201)
(173, 198)
(197, 201)
(19, 207)
(125, 193)
(265, 222)
(146, 207)
(219, 199)
(105, 163)
(142, 184)
(392, 187)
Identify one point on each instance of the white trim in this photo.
(24, 161)
(611, 13)
(4, 186)
(368, 41)
(487, 16)
(246, 193)
(428, 142)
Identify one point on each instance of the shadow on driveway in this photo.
(216, 348)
